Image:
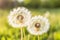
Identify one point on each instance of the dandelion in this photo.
(38, 25)
(19, 17)
(47, 14)
(20, 1)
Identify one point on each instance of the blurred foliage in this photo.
(42, 3)
(31, 3)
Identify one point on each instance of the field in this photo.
(7, 32)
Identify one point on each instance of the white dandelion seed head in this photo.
(20, 1)
(19, 17)
(38, 25)
(47, 14)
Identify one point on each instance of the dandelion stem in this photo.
(38, 37)
(21, 33)
(24, 34)
(29, 37)
(34, 38)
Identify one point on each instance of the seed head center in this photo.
(37, 25)
(20, 17)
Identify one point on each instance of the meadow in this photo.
(7, 32)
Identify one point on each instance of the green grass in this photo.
(7, 32)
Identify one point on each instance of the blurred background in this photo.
(37, 7)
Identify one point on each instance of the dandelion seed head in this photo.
(39, 25)
(19, 17)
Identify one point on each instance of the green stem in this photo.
(29, 37)
(34, 38)
(21, 33)
(38, 37)
(24, 34)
